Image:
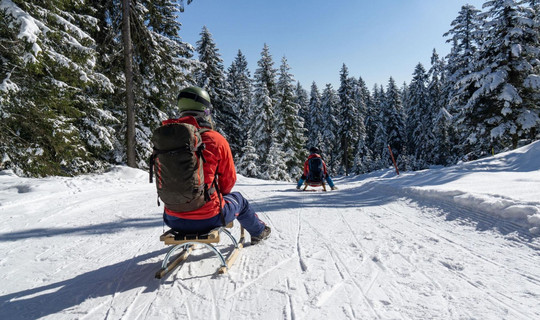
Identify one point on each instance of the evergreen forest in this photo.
(63, 87)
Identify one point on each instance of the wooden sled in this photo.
(186, 242)
(314, 184)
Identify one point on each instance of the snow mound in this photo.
(504, 185)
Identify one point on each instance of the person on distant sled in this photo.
(315, 170)
(222, 206)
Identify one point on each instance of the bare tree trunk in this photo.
(130, 101)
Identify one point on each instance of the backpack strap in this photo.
(220, 197)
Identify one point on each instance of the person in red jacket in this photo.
(193, 105)
(315, 170)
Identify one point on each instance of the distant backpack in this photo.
(177, 161)
(316, 170)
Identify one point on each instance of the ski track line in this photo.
(119, 281)
(530, 277)
(267, 271)
(337, 259)
(448, 205)
(496, 301)
(186, 299)
(406, 259)
(376, 262)
(303, 265)
(215, 307)
(290, 307)
(150, 305)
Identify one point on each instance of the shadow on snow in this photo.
(106, 281)
(102, 228)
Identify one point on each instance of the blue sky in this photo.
(376, 39)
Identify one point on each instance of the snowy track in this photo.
(88, 248)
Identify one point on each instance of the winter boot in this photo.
(264, 235)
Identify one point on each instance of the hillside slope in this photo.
(445, 243)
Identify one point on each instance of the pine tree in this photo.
(263, 108)
(290, 129)
(464, 36)
(418, 125)
(437, 91)
(239, 82)
(247, 164)
(330, 131)
(497, 114)
(276, 167)
(362, 158)
(302, 100)
(315, 116)
(348, 114)
(372, 118)
(162, 66)
(266, 73)
(52, 96)
(393, 119)
(377, 123)
(212, 78)
(465, 39)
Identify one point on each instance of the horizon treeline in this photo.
(62, 85)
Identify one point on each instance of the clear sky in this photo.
(376, 39)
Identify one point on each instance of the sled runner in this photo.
(315, 184)
(186, 242)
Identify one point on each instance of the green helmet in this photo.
(193, 98)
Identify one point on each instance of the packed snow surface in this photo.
(460, 242)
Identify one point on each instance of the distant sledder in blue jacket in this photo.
(315, 170)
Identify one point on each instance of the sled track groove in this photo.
(494, 300)
(344, 272)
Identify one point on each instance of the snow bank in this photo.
(505, 185)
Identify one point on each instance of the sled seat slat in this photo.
(172, 237)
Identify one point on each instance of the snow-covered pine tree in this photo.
(371, 119)
(302, 99)
(52, 96)
(276, 167)
(437, 91)
(239, 81)
(532, 84)
(248, 162)
(464, 37)
(263, 107)
(330, 131)
(266, 73)
(162, 66)
(212, 77)
(290, 132)
(315, 117)
(262, 125)
(418, 124)
(348, 114)
(497, 114)
(362, 158)
(377, 124)
(393, 119)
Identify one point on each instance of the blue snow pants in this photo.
(236, 207)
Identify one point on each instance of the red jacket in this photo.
(219, 161)
(306, 164)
